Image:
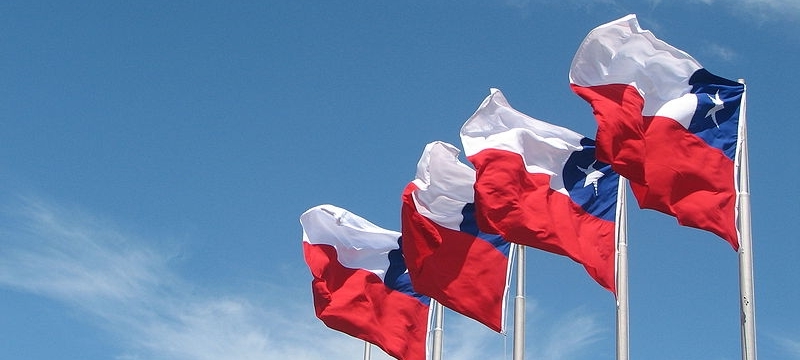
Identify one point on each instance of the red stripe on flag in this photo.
(356, 302)
(462, 272)
(523, 208)
(689, 179)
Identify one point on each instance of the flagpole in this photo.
(367, 348)
(519, 307)
(746, 288)
(621, 231)
(438, 330)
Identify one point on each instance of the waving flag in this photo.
(360, 283)
(664, 122)
(448, 258)
(540, 185)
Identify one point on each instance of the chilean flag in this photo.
(361, 286)
(664, 122)
(448, 258)
(540, 185)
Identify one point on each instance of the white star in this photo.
(592, 176)
(718, 105)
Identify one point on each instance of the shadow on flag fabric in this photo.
(361, 286)
(540, 185)
(664, 122)
(448, 258)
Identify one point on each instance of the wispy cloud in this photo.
(774, 5)
(466, 339)
(571, 336)
(128, 289)
(758, 10)
(587, 5)
(719, 51)
(519, 4)
(788, 346)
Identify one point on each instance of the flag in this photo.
(664, 122)
(540, 185)
(361, 286)
(448, 258)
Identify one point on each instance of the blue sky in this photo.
(155, 157)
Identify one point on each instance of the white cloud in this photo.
(76, 260)
(586, 5)
(789, 346)
(776, 5)
(758, 10)
(519, 4)
(128, 289)
(570, 336)
(466, 339)
(720, 52)
(560, 337)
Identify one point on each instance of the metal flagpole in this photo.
(438, 330)
(746, 291)
(519, 307)
(621, 232)
(367, 348)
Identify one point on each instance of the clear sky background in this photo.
(155, 157)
